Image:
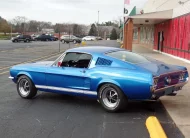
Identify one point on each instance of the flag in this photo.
(127, 2)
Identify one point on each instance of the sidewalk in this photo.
(178, 106)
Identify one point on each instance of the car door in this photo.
(20, 38)
(72, 38)
(68, 75)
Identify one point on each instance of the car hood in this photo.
(45, 63)
(157, 67)
(34, 65)
(14, 37)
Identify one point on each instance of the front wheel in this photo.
(26, 88)
(74, 41)
(112, 98)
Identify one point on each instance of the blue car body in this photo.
(137, 81)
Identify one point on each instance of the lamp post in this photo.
(98, 22)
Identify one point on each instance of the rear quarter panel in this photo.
(135, 84)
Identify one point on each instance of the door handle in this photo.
(83, 71)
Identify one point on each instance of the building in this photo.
(48, 31)
(163, 25)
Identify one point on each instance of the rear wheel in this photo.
(26, 88)
(112, 98)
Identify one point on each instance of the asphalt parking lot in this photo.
(54, 115)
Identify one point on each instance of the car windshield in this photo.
(128, 57)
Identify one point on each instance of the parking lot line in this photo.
(4, 72)
(154, 128)
(49, 56)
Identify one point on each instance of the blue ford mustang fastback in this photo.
(112, 75)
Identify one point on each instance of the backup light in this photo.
(182, 76)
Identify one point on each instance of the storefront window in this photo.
(135, 34)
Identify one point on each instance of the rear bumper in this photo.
(168, 90)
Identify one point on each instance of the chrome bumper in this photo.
(10, 77)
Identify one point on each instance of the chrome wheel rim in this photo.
(110, 98)
(24, 87)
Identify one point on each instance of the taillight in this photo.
(182, 76)
(155, 82)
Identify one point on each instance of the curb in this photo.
(154, 128)
(83, 43)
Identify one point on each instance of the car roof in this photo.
(94, 49)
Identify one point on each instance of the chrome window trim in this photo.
(75, 52)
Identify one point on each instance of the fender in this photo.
(108, 81)
(24, 73)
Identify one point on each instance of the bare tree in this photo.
(20, 22)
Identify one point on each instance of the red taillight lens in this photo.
(155, 81)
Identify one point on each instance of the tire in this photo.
(74, 41)
(26, 41)
(109, 103)
(26, 88)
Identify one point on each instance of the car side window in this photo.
(21, 36)
(76, 60)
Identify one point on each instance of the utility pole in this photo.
(11, 30)
(98, 22)
(59, 37)
(69, 35)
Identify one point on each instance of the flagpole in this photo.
(123, 20)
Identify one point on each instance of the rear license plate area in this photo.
(169, 90)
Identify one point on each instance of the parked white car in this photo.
(89, 38)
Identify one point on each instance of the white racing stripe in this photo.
(67, 89)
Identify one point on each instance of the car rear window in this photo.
(128, 57)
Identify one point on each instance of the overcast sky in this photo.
(58, 11)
